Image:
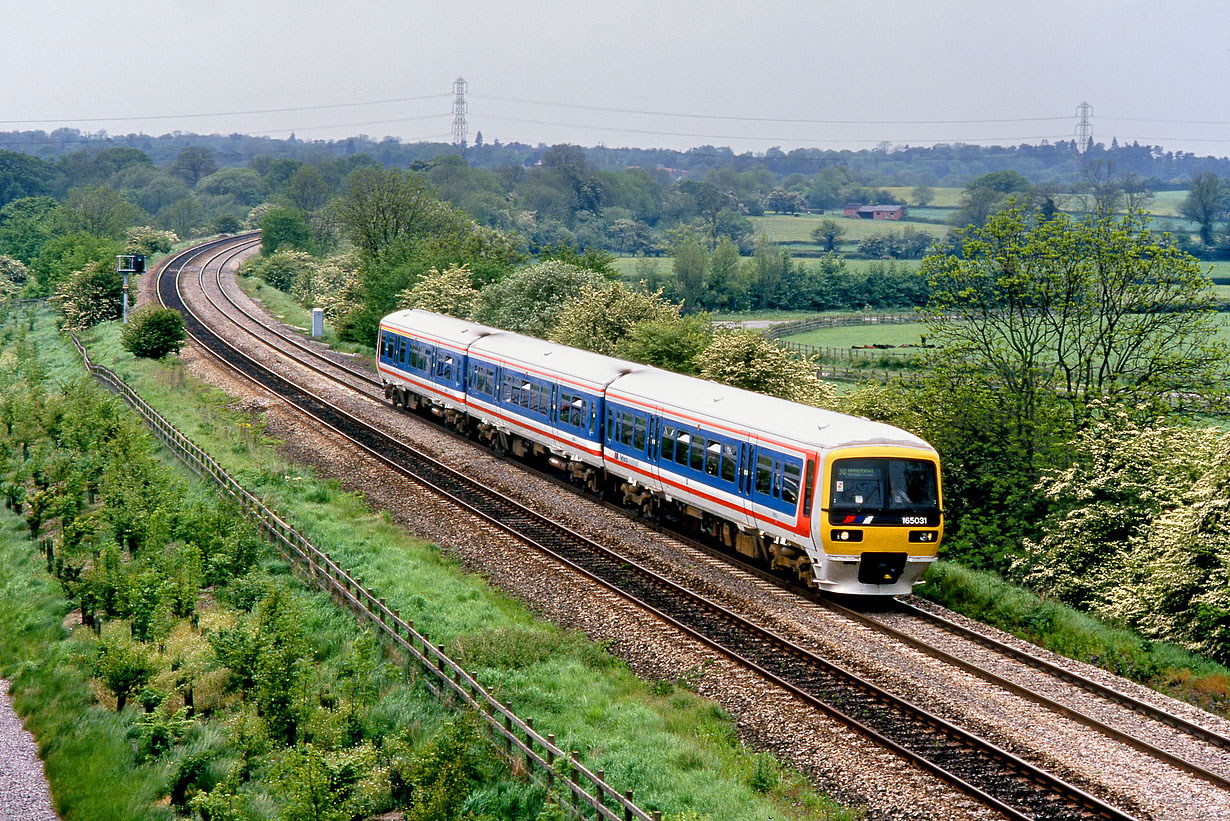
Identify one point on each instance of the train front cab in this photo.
(880, 520)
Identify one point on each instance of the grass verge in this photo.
(987, 598)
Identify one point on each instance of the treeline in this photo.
(944, 164)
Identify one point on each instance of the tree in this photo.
(153, 332)
(100, 211)
(601, 316)
(923, 195)
(828, 233)
(123, 667)
(22, 175)
(1205, 201)
(26, 225)
(450, 291)
(529, 301)
(193, 163)
(746, 359)
(285, 228)
(785, 202)
(243, 185)
(63, 255)
(673, 343)
(1081, 310)
(976, 205)
(382, 205)
(308, 190)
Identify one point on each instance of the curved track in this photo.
(1000, 779)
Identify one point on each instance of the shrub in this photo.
(92, 295)
(143, 239)
(154, 332)
(123, 667)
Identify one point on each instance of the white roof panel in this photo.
(593, 370)
(755, 412)
(450, 330)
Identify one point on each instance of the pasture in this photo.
(845, 336)
(940, 197)
(796, 230)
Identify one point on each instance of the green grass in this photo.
(674, 749)
(941, 197)
(797, 229)
(845, 336)
(1068, 632)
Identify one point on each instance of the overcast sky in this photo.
(664, 73)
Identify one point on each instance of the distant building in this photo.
(873, 212)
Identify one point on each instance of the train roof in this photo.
(592, 370)
(450, 330)
(755, 412)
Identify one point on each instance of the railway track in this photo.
(1000, 779)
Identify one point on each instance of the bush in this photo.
(92, 295)
(143, 239)
(154, 332)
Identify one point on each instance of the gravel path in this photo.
(24, 795)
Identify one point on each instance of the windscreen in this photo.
(884, 484)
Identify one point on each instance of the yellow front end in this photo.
(880, 520)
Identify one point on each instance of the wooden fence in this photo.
(799, 326)
(591, 796)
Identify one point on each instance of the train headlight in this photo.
(846, 535)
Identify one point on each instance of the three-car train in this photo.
(846, 504)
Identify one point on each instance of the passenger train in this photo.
(848, 505)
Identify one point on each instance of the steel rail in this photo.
(1141, 707)
(1014, 781)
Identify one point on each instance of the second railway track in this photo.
(1007, 782)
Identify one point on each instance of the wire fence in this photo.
(590, 795)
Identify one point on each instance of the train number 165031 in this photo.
(913, 520)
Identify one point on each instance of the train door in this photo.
(766, 486)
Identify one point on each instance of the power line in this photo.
(623, 130)
(764, 119)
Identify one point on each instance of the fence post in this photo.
(550, 759)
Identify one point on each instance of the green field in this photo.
(797, 229)
(845, 336)
(940, 197)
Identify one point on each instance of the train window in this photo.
(681, 448)
(507, 391)
(625, 428)
(444, 368)
(610, 425)
(668, 443)
(713, 458)
(790, 483)
(534, 397)
(523, 399)
(698, 452)
(576, 414)
(777, 478)
(764, 475)
(565, 402)
(638, 434)
(730, 461)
